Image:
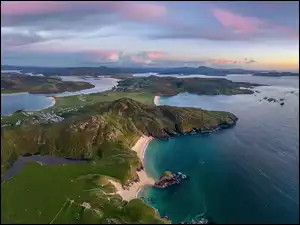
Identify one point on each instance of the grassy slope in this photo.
(45, 194)
(85, 132)
(71, 101)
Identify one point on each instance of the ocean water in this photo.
(247, 174)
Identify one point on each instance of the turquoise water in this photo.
(248, 174)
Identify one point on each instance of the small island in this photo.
(15, 83)
(169, 179)
(269, 99)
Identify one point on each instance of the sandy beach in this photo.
(53, 101)
(156, 99)
(139, 147)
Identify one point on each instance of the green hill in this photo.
(104, 133)
(169, 86)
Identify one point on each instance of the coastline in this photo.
(156, 99)
(132, 192)
(53, 101)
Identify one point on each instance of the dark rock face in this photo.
(169, 179)
(272, 100)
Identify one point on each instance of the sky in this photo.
(221, 34)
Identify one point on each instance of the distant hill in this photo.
(276, 74)
(125, 71)
(205, 71)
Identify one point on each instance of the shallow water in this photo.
(248, 174)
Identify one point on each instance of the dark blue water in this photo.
(248, 174)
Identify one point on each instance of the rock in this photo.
(168, 179)
(271, 99)
(282, 103)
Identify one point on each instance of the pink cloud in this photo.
(31, 7)
(290, 31)
(142, 10)
(155, 54)
(106, 55)
(237, 22)
(138, 11)
(147, 57)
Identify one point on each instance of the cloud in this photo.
(250, 25)
(105, 55)
(49, 15)
(237, 22)
(9, 40)
(249, 61)
(224, 61)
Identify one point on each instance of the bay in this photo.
(248, 174)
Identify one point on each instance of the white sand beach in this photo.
(140, 147)
(156, 99)
(53, 101)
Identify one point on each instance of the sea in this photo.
(247, 174)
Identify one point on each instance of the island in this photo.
(169, 179)
(15, 83)
(102, 134)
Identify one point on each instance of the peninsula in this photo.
(103, 134)
(169, 86)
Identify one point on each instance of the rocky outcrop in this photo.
(168, 179)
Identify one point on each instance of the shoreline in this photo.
(132, 192)
(156, 99)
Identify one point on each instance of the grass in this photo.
(78, 100)
(55, 194)
(8, 91)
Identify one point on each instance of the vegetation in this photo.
(107, 96)
(102, 132)
(84, 133)
(171, 86)
(39, 84)
(83, 196)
